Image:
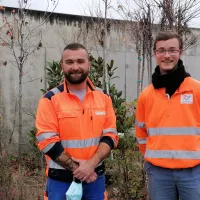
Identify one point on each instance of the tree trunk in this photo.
(139, 71)
(143, 65)
(20, 133)
(20, 115)
(150, 67)
(150, 45)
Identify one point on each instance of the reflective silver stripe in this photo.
(174, 131)
(109, 130)
(55, 90)
(54, 165)
(141, 141)
(175, 154)
(140, 124)
(81, 143)
(99, 89)
(44, 136)
(48, 147)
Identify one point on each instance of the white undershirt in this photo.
(80, 94)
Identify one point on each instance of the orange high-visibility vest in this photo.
(168, 129)
(62, 117)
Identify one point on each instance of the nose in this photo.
(167, 54)
(75, 66)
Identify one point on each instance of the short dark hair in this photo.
(166, 36)
(75, 46)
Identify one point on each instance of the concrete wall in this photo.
(55, 34)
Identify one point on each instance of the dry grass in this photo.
(30, 184)
(27, 185)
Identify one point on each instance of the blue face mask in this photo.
(75, 191)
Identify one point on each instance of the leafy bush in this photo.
(54, 74)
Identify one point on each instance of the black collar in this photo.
(172, 80)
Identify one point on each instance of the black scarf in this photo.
(172, 80)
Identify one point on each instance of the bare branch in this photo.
(29, 113)
(43, 22)
(32, 80)
(176, 15)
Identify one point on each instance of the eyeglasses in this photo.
(172, 52)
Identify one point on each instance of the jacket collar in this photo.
(185, 86)
(90, 86)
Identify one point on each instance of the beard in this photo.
(76, 77)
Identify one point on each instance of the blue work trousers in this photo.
(173, 184)
(56, 190)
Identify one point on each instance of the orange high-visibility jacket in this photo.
(168, 129)
(65, 123)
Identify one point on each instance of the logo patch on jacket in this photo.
(100, 112)
(187, 99)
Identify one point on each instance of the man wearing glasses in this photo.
(168, 125)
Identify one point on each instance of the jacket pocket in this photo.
(68, 124)
(98, 121)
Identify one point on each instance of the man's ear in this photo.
(61, 63)
(181, 52)
(90, 63)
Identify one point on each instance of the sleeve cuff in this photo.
(108, 141)
(55, 151)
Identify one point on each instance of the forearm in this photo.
(66, 162)
(102, 152)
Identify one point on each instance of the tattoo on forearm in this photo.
(66, 162)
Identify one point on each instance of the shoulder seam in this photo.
(54, 91)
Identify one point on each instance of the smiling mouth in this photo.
(73, 74)
(167, 61)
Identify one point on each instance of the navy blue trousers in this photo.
(91, 191)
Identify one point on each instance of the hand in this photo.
(85, 170)
(92, 178)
